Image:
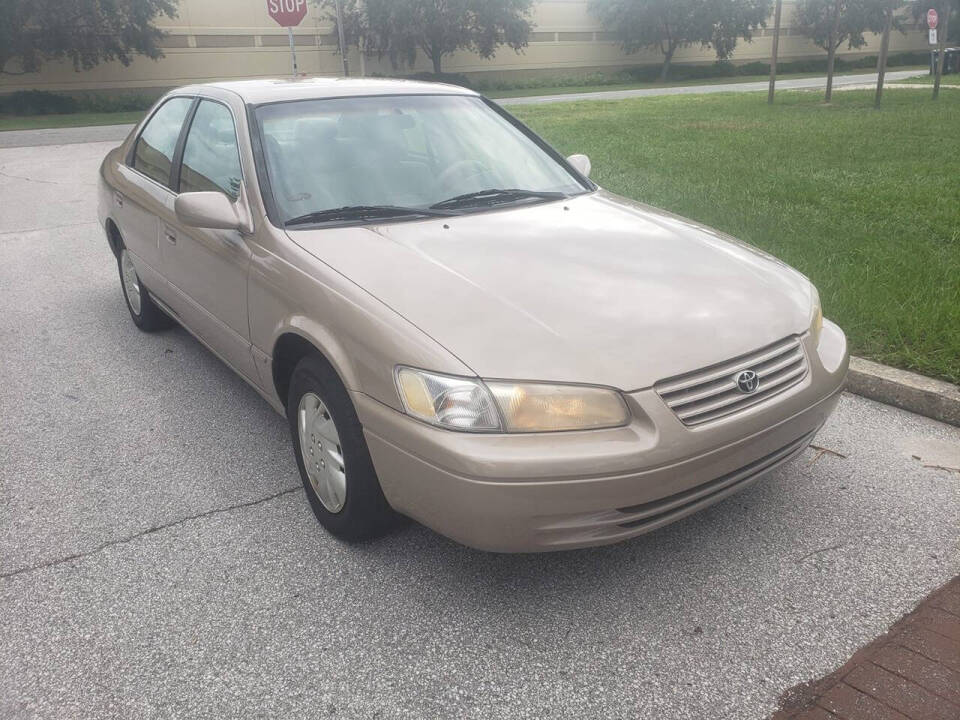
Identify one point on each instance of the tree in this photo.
(86, 32)
(830, 23)
(400, 29)
(815, 19)
(669, 25)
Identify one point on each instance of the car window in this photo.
(155, 146)
(211, 159)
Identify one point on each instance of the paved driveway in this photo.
(158, 559)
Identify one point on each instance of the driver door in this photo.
(207, 268)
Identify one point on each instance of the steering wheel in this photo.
(466, 168)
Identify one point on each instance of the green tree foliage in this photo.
(669, 25)
(85, 32)
(400, 29)
(814, 19)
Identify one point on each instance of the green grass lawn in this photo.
(864, 202)
(32, 122)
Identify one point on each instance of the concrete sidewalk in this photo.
(785, 83)
(104, 133)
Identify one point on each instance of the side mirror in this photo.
(207, 210)
(581, 164)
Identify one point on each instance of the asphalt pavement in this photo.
(158, 558)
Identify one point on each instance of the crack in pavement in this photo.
(49, 227)
(44, 182)
(149, 531)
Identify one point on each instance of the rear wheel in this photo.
(144, 312)
(332, 455)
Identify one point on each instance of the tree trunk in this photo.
(775, 51)
(942, 46)
(832, 51)
(882, 60)
(665, 70)
(436, 57)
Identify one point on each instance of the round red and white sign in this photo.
(287, 13)
(932, 18)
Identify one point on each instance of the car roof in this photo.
(256, 92)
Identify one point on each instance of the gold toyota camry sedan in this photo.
(458, 325)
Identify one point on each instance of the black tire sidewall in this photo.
(137, 317)
(365, 512)
(150, 317)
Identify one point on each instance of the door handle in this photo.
(118, 198)
(170, 236)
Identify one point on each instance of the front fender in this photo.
(363, 339)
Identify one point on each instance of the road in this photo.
(61, 136)
(158, 559)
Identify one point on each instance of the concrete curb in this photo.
(925, 396)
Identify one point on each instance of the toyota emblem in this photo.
(747, 382)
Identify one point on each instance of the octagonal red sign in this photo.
(932, 18)
(287, 13)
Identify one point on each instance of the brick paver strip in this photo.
(937, 678)
(929, 644)
(912, 672)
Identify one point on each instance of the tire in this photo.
(358, 510)
(144, 312)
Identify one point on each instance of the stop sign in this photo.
(932, 18)
(287, 13)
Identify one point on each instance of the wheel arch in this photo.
(114, 238)
(290, 347)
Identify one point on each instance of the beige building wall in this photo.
(221, 39)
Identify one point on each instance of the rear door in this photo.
(206, 268)
(144, 190)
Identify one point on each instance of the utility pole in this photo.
(832, 56)
(882, 60)
(942, 55)
(343, 42)
(776, 49)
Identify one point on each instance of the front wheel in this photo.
(332, 456)
(144, 312)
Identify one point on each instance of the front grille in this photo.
(712, 393)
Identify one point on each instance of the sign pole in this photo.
(942, 54)
(776, 49)
(293, 52)
(288, 14)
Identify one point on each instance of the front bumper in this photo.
(552, 491)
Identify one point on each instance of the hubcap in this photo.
(131, 283)
(321, 451)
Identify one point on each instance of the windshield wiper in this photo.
(495, 195)
(360, 212)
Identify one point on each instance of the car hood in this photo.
(596, 289)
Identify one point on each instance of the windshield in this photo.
(408, 151)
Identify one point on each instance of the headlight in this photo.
(451, 402)
(530, 407)
(468, 404)
(816, 316)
